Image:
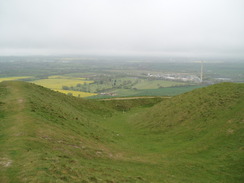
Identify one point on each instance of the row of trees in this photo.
(101, 85)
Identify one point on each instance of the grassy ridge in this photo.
(205, 125)
(47, 136)
(200, 104)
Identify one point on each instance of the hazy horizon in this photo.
(185, 28)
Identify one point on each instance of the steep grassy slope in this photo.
(47, 136)
(201, 104)
(205, 125)
(50, 137)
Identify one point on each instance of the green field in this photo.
(155, 84)
(105, 77)
(47, 136)
(124, 87)
(168, 91)
(120, 87)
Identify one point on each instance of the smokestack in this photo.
(201, 74)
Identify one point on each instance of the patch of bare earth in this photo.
(5, 162)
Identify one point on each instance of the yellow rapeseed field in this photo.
(64, 77)
(57, 82)
(77, 93)
(14, 78)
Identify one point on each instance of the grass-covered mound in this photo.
(204, 127)
(46, 136)
(201, 104)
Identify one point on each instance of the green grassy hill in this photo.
(46, 136)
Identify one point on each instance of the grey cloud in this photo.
(122, 26)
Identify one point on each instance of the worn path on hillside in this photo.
(16, 128)
(12, 126)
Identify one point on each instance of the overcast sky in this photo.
(137, 27)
